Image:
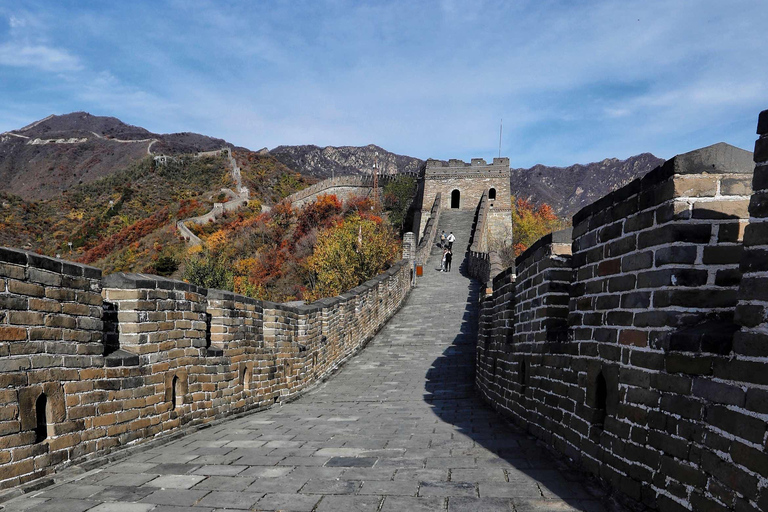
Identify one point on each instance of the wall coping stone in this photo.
(121, 357)
(503, 275)
(720, 158)
(564, 236)
(762, 123)
(215, 293)
(21, 257)
(150, 281)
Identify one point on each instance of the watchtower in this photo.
(461, 186)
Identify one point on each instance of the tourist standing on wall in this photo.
(443, 261)
(451, 239)
(442, 240)
(448, 259)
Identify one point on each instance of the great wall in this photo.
(632, 347)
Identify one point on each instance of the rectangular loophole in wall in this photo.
(208, 319)
(111, 335)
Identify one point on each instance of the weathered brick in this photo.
(12, 333)
(23, 288)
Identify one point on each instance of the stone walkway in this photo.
(398, 429)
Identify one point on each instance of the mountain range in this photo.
(47, 157)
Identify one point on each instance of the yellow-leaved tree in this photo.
(350, 253)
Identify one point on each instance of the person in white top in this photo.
(450, 240)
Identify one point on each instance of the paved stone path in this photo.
(397, 430)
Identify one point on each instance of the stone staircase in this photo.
(460, 222)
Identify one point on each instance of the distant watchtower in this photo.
(461, 186)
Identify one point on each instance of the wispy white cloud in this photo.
(40, 57)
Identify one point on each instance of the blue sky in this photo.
(574, 81)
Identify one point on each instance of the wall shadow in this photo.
(451, 394)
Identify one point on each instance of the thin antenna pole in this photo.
(376, 182)
(501, 126)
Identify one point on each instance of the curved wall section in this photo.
(633, 346)
(178, 355)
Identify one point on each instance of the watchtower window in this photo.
(492, 194)
(41, 428)
(455, 199)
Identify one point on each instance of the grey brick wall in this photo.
(634, 346)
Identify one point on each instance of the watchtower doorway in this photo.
(492, 193)
(455, 199)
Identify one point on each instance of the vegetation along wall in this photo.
(637, 343)
(88, 364)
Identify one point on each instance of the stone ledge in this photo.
(121, 357)
(31, 259)
(564, 236)
(149, 281)
(762, 123)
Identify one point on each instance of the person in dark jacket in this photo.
(448, 258)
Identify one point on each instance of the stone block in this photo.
(24, 288)
(735, 209)
(12, 333)
(695, 186)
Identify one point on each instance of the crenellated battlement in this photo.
(632, 343)
(91, 364)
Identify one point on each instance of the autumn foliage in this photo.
(295, 254)
(531, 222)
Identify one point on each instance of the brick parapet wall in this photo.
(429, 232)
(647, 388)
(50, 333)
(181, 355)
(482, 263)
(752, 310)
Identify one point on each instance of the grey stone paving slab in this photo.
(447, 489)
(175, 497)
(123, 493)
(264, 471)
(175, 481)
(466, 504)
(403, 503)
(231, 500)
(170, 508)
(73, 490)
(351, 462)
(389, 488)
(331, 487)
(518, 489)
(225, 483)
(219, 470)
(19, 505)
(349, 504)
(126, 479)
(288, 502)
(122, 507)
(64, 505)
(277, 485)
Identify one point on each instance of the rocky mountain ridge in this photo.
(330, 160)
(569, 189)
(56, 153)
